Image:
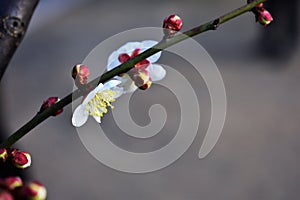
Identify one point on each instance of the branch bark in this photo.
(15, 16)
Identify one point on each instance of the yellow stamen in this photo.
(98, 105)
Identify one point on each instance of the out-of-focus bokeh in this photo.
(257, 156)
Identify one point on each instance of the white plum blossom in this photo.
(130, 50)
(96, 102)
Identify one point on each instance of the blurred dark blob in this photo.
(7, 169)
(279, 40)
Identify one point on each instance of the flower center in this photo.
(98, 105)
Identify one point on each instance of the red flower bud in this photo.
(264, 17)
(50, 102)
(261, 14)
(80, 74)
(171, 25)
(4, 195)
(32, 191)
(3, 154)
(21, 160)
(12, 182)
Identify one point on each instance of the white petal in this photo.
(154, 58)
(97, 118)
(119, 91)
(110, 84)
(127, 84)
(112, 63)
(80, 116)
(156, 72)
(129, 88)
(113, 59)
(129, 47)
(91, 94)
(147, 44)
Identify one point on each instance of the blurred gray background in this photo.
(257, 156)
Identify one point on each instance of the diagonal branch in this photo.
(123, 68)
(15, 16)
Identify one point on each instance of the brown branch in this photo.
(15, 16)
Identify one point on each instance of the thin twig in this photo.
(123, 68)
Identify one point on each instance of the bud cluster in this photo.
(19, 159)
(13, 188)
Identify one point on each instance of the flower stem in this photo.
(123, 68)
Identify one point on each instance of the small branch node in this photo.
(216, 24)
(13, 26)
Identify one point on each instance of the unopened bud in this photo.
(4, 195)
(3, 154)
(33, 191)
(12, 182)
(264, 17)
(50, 102)
(21, 159)
(80, 74)
(171, 25)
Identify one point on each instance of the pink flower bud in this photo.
(21, 159)
(171, 25)
(4, 195)
(3, 154)
(12, 182)
(32, 191)
(264, 17)
(50, 102)
(80, 74)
